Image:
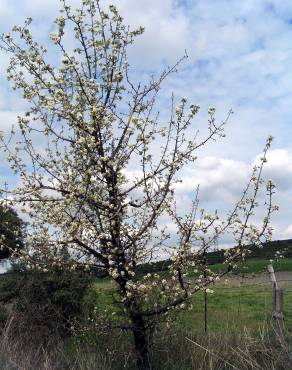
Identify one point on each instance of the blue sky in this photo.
(240, 57)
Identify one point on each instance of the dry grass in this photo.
(170, 351)
(241, 352)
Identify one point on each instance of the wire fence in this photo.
(247, 302)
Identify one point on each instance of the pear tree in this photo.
(98, 170)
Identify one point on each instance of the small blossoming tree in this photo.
(87, 127)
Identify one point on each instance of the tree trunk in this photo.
(141, 343)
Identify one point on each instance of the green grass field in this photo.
(235, 305)
(235, 309)
(239, 314)
(257, 266)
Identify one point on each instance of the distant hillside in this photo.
(268, 251)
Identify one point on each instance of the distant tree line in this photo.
(269, 250)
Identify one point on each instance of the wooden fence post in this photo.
(277, 306)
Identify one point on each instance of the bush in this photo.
(45, 303)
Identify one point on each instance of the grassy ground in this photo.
(239, 327)
(244, 302)
(173, 350)
(238, 311)
(234, 309)
(238, 321)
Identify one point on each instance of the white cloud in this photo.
(287, 234)
(279, 168)
(7, 119)
(167, 30)
(220, 179)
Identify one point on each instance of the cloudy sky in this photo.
(240, 57)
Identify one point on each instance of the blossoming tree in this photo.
(88, 125)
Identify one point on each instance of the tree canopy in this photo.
(99, 169)
(12, 232)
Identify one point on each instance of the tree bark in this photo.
(141, 343)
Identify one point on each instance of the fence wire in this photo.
(244, 302)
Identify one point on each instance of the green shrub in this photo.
(46, 303)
